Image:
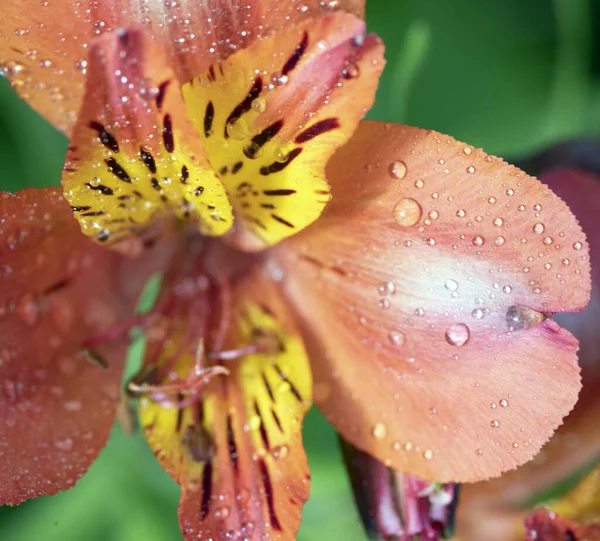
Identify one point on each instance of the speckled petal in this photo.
(134, 155)
(56, 289)
(43, 43)
(236, 448)
(424, 291)
(272, 115)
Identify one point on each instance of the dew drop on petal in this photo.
(521, 317)
(397, 338)
(386, 288)
(28, 309)
(477, 313)
(407, 212)
(478, 241)
(398, 169)
(457, 334)
(499, 241)
(577, 245)
(280, 451)
(503, 403)
(379, 431)
(428, 454)
(64, 445)
(451, 285)
(494, 423)
(539, 228)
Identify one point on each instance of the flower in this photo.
(419, 293)
(571, 170)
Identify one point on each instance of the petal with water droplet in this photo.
(461, 350)
(134, 154)
(272, 115)
(577, 442)
(236, 449)
(56, 289)
(44, 43)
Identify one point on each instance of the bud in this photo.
(395, 506)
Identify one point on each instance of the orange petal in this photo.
(575, 517)
(544, 525)
(43, 43)
(272, 115)
(576, 444)
(134, 155)
(56, 290)
(236, 450)
(423, 290)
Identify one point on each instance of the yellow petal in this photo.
(271, 116)
(134, 155)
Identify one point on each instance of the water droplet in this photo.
(499, 241)
(547, 241)
(407, 212)
(565, 261)
(397, 338)
(28, 309)
(503, 403)
(477, 313)
(461, 213)
(434, 214)
(64, 445)
(467, 150)
(222, 512)
(386, 288)
(498, 222)
(479, 452)
(515, 444)
(577, 245)
(419, 183)
(457, 334)
(494, 423)
(537, 208)
(351, 70)
(538, 228)
(237, 129)
(259, 105)
(281, 451)
(72, 405)
(506, 289)
(451, 285)
(470, 169)
(408, 446)
(520, 317)
(278, 79)
(478, 241)
(384, 304)
(428, 454)
(379, 431)
(398, 169)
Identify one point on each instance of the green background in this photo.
(511, 76)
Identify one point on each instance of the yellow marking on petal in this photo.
(113, 193)
(134, 154)
(242, 440)
(270, 117)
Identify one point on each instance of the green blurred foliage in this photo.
(509, 76)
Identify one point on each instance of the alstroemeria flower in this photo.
(495, 510)
(405, 282)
